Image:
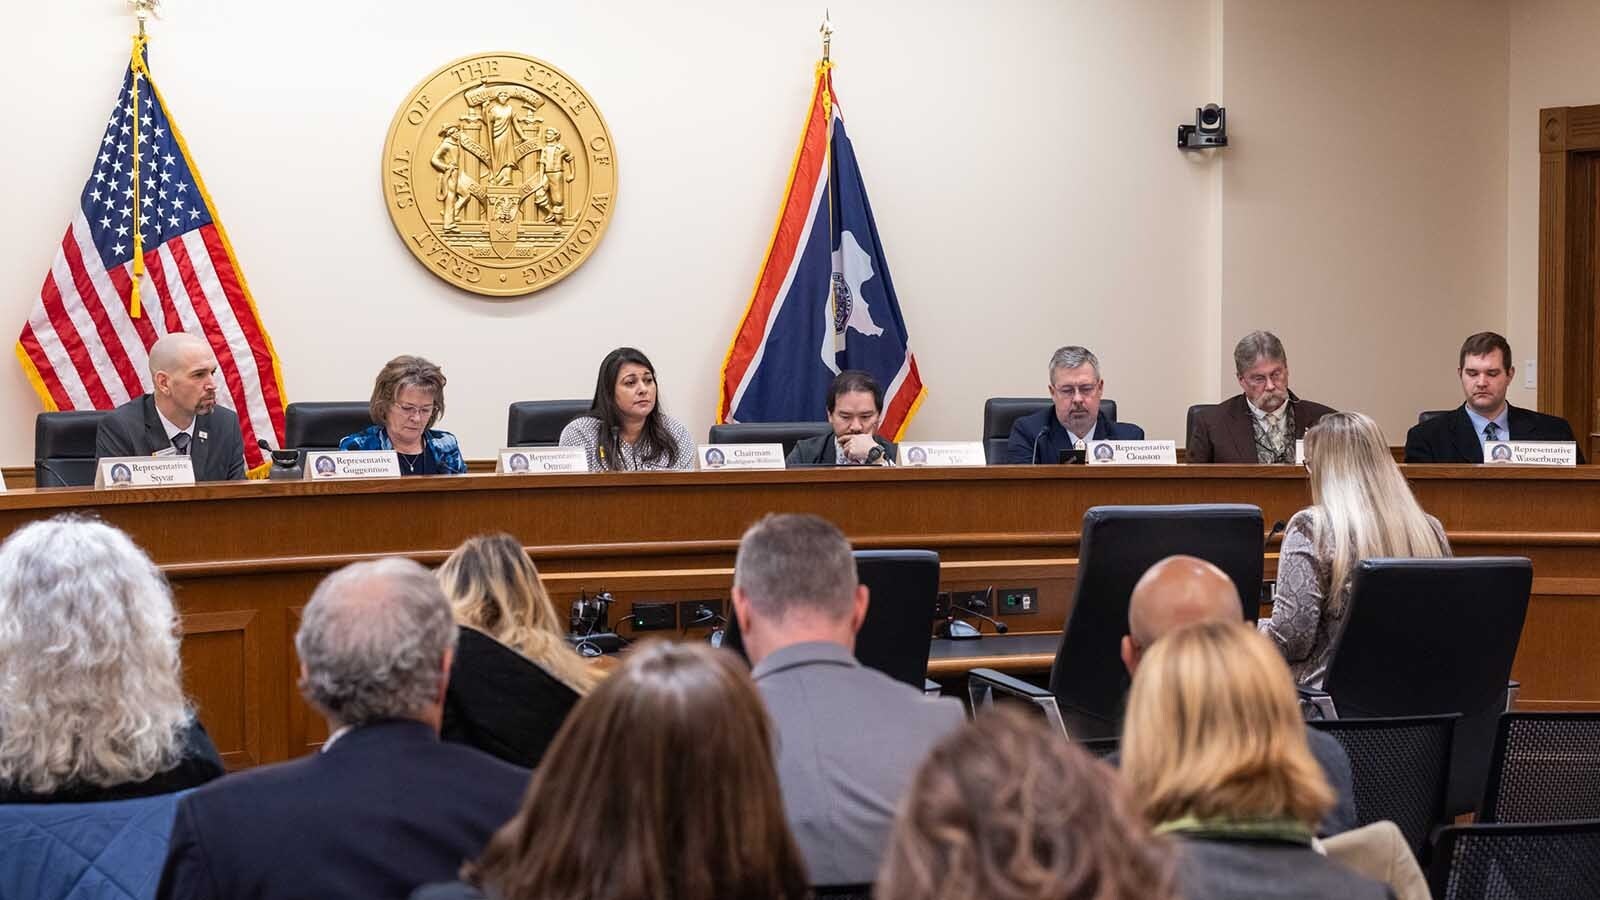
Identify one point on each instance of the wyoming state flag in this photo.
(824, 301)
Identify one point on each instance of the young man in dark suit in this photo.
(1262, 423)
(181, 413)
(1459, 435)
(385, 806)
(1073, 417)
(855, 406)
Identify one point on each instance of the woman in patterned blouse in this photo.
(625, 429)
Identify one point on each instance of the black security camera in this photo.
(1210, 129)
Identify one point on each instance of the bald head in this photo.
(1179, 591)
(183, 377)
(171, 353)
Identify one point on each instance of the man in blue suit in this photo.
(1073, 417)
(385, 806)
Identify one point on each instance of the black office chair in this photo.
(1088, 679)
(538, 423)
(1428, 636)
(1551, 861)
(1194, 413)
(321, 425)
(501, 702)
(1545, 768)
(63, 447)
(1427, 414)
(1000, 413)
(786, 433)
(894, 637)
(1400, 770)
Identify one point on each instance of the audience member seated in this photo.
(91, 695)
(855, 407)
(849, 737)
(1262, 423)
(180, 414)
(1485, 369)
(625, 429)
(1215, 751)
(385, 806)
(660, 785)
(514, 678)
(1361, 508)
(1004, 808)
(1184, 590)
(1073, 418)
(407, 401)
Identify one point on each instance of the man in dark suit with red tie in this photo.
(1459, 435)
(1262, 423)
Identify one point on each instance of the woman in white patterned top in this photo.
(625, 429)
(1361, 508)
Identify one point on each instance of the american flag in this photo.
(81, 347)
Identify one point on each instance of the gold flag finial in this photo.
(143, 10)
(827, 35)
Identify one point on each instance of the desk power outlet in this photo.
(653, 617)
(1017, 601)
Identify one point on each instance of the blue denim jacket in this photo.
(441, 445)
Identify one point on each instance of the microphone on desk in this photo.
(875, 454)
(999, 626)
(616, 441)
(1034, 456)
(1278, 528)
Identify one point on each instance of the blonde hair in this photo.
(90, 686)
(494, 587)
(1364, 508)
(1213, 731)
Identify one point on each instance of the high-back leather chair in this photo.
(320, 425)
(786, 433)
(1088, 680)
(1429, 636)
(894, 636)
(1000, 413)
(1194, 413)
(538, 423)
(1545, 766)
(1427, 414)
(63, 447)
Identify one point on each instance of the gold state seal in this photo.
(499, 174)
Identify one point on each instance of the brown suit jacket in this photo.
(1224, 433)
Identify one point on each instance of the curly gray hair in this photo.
(373, 641)
(90, 685)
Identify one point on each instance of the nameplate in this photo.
(1531, 453)
(740, 456)
(1133, 453)
(541, 460)
(1300, 452)
(943, 453)
(143, 471)
(329, 464)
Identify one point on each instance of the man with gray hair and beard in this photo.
(849, 738)
(385, 806)
(1261, 424)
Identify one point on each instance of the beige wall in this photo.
(1553, 63)
(1372, 254)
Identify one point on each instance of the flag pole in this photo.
(142, 10)
(827, 35)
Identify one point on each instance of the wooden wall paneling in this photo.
(1569, 278)
(222, 675)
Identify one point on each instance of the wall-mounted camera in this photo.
(1210, 129)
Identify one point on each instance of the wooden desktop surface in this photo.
(244, 557)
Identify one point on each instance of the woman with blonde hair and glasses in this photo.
(514, 677)
(1361, 508)
(1215, 752)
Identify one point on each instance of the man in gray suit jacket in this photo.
(849, 738)
(180, 413)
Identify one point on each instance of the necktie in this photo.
(180, 443)
(1491, 431)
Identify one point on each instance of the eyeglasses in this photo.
(1075, 390)
(415, 412)
(1260, 381)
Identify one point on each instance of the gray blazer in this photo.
(134, 429)
(1267, 870)
(849, 740)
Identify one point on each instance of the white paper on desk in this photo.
(1531, 453)
(322, 465)
(143, 471)
(541, 460)
(1133, 453)
(1300, 452)
(942, 453)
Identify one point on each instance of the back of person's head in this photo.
(1177, 591)
(374, 641)
(90, 684)
(1005, 809)
(494, 587)
(659, 784)
(1213, 731)
(1364, 506)
(792, 564)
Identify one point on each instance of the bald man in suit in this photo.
(180, 413)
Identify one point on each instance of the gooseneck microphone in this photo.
(616, 442)
(875, 454)
(999, 626)
(1033, 457)
(1278, 528)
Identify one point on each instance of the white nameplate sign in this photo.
(942, 453)
(740, 456)
(325, 464)
(542, 460)
(1300, 452)
(1531, 453)
(143, 471)
(1134, 453)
